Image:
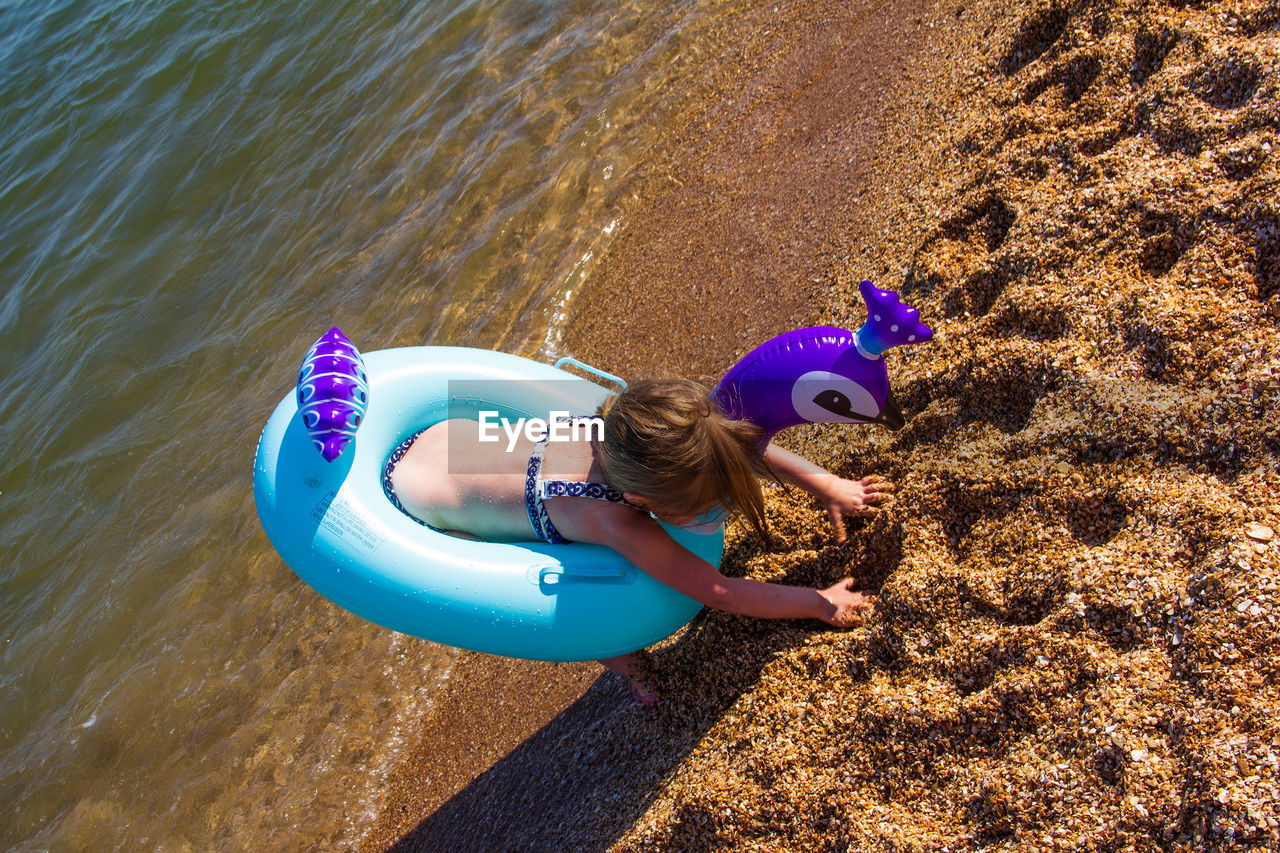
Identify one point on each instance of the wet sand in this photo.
(1076, 645)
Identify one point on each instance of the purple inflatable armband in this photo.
(333, 393)
(822, 374)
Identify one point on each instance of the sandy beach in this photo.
(1076, 644)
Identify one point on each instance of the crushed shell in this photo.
(1075, 647)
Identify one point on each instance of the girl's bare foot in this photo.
(643, 694)
(630, 668)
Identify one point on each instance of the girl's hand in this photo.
(841, 497)
(848, 607)
(850, 498)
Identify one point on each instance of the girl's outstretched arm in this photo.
(842, 497)
(643, 542)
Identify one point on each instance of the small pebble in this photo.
(1260, 532)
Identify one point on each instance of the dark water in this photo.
(190, 193)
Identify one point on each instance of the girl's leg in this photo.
(628, 666)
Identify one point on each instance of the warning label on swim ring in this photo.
(346, 522)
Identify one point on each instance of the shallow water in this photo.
(190, 193)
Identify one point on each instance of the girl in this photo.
(668, 452)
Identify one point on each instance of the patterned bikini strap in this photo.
(574, 488)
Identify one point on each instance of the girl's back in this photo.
(452, 480)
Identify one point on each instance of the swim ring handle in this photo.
(595, 371)
(559, 575)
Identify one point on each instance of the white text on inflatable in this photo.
(558, 428)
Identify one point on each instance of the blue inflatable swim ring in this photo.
(334, 526)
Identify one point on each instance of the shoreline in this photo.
(472, 756)
(1076, 643)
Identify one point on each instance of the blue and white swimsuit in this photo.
(536, 490)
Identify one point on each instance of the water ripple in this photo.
(189, 193)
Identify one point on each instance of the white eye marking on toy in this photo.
(822, 397)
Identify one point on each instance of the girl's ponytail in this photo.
(667, 441)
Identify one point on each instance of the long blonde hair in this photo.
(667, 441)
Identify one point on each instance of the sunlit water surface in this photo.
(190, 193)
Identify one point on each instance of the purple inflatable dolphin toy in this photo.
(822, 374)
(333, 393)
